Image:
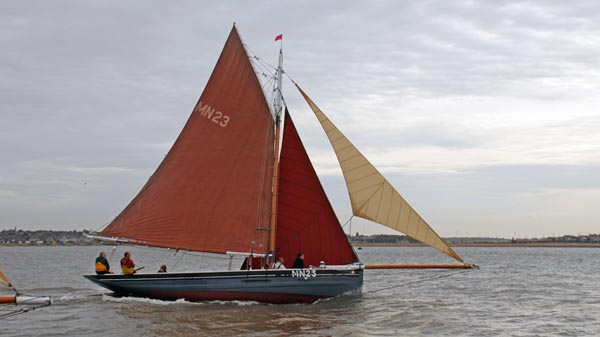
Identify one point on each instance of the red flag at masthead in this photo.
(278, 37)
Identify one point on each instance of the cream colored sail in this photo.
(371, 195)
(4, 279)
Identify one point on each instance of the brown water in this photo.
(517, 292)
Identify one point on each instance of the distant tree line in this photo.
(44, 237)
(50, 237)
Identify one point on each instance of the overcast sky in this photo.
(483, 114)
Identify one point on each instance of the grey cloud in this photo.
(96, 92)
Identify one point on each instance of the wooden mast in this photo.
(277, 111)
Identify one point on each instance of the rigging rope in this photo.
(265, 63)
(348, 222)
(417, 281)
(268, 82)
(22, 310)
(264, 68)
(112, 252)
(178, 260)
(261, 67)
(16, 312)
(290, 77)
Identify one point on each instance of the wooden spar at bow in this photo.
(18, 298)
(21, 299)
(420, 266)
(8, 299)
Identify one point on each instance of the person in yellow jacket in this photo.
(127, 264)
(102, 266)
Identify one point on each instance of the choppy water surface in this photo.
(517, 292)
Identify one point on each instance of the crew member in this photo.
(102, 265)
(163, 269)
(279, 264)
(299, 262)
(127, 264)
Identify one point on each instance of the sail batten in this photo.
(371, 195)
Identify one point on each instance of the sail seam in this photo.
(408, 227)
(397, 222)
(426, 232)
(347, 159)
(387, 218)
(330, 129)
(366, 188)
(347, 147)
(338, 138)
(354, 168)
(360, 178)
(379, 203)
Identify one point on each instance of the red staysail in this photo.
(212, 191)
(306, 222)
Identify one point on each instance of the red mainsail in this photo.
(306, 221)
(212, 191)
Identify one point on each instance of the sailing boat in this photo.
(24, 303)
(225, 187)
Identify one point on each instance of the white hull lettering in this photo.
(304, 273)
(212, 114)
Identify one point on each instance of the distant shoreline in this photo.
(404, 244)
(490, 244)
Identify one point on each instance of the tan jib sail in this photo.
(4, 280)
(371, 195)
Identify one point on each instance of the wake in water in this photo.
(117, 299)
(63, 295)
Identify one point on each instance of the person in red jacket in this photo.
(127, 264)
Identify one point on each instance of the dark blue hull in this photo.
(268, 286)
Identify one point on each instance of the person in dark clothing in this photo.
(102, 266)
(299, 262)
(163, 269)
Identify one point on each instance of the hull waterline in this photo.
(267, 286)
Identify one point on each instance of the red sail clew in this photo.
(306, 221)
(212, 191)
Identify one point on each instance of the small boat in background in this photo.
(23, 303)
